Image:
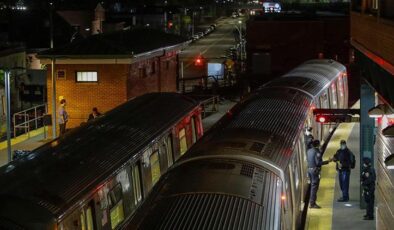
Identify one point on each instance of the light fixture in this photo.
(388, 131)
(389, 162)
(380, 110)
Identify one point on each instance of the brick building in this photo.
(106, 70)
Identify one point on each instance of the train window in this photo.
(194, 134)
(116, 206)
(136, 184)
(155, 167)
(168, 144)
(182, 141)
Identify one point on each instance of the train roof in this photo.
(264, 125)
(59, 173)
(193, 197)
(311, 77)
(268, 122)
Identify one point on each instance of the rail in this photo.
(194, 84)
(29, 119)
(210, 106)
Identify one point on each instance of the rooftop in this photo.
(119, 43)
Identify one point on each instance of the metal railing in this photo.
(29, 119)
(210, 105)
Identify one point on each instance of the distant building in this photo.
(27, 84)
(277, 43)
(106, 70)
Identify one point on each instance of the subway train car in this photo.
(249, 171)
(99, 174)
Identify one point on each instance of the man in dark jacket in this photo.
(315, 161)
(344, 159)
(95, 114)
(368, 178)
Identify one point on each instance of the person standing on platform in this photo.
(308, 138)
(315, 161)
(63, 117)
(368, 178)
(345, 161)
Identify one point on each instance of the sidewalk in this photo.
(23, 142)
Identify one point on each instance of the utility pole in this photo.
(8, 111)
(52, 74)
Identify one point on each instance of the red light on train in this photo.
(321, 119)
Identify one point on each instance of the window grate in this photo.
(247, 170)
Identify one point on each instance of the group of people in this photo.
(63, 116)
(345, 161)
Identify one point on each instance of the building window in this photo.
(87, 76)
(61, 74)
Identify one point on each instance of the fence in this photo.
(29, 119)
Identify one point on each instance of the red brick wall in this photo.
(109, 92)
(137, 85)
(116, 84)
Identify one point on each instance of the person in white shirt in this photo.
(63, 117)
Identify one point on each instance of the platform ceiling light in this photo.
(388, 131)
(380, 110)
(389, 162)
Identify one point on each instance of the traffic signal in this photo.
(199, 61)
(170, 24)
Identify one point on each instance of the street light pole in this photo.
(52, 74)
(8, 111)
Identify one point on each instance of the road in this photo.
(212, 47)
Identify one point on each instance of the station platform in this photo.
(23, 142)
(333, 214)
(223, 107)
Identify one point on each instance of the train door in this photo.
(87, 217)
(345, 89)
(168, 150)
(136, 183)
(155, 169)
(194, 130)
(287, 209)
(182, 141)
(324, 104)
(340, 92)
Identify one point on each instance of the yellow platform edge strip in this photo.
(22, 138)
(322, 218)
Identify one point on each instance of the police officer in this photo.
(368, 178)
(308, 138)
(315, 161)
(344, 159)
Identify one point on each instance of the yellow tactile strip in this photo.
(22, 138)
(322, 218)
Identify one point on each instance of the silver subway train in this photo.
(249, 171)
